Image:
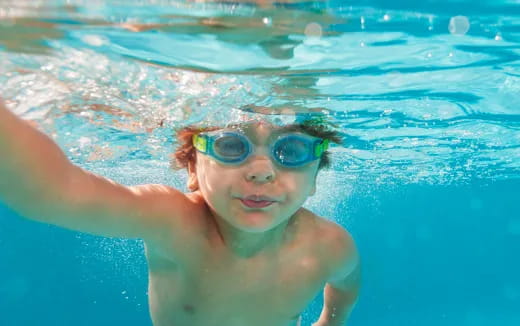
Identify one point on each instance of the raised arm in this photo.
(40, 183)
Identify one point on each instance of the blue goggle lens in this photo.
(230, 147)
(292, 151)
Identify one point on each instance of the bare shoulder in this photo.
(334, 243)
(330, 234)
(182, 215)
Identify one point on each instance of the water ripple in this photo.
(414, 96)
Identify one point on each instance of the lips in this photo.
(257, 201)
(259, 198)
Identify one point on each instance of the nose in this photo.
(260, 171)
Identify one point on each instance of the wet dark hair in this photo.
(317, 127)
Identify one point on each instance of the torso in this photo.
(204, 284)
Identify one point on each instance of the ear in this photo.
(193, 182)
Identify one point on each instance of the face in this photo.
(258, 194)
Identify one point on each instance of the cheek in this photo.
(213, 179)
(300, 184)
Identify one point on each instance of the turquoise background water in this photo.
(424, 94)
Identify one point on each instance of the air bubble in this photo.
(313, 30)
(84, 141)
(267, 21)
(430, 23)
(459, 25)
(94, 40)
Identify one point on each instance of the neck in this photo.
(249, 244)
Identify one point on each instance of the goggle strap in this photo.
(200, 143)
(321, 148)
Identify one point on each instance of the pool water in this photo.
(425, 96)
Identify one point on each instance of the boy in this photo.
(239, 250)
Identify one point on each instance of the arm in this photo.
(40, 183)
(342, 290)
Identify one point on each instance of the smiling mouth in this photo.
(256, 203)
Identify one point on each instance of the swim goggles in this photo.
(289, 150)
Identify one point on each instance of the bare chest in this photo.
(215, 290)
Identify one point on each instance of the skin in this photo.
(212, 260)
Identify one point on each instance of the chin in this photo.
(255, 227)
(255, 222)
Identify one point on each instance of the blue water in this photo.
(424, 94)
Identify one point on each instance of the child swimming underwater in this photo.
(238, 250)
